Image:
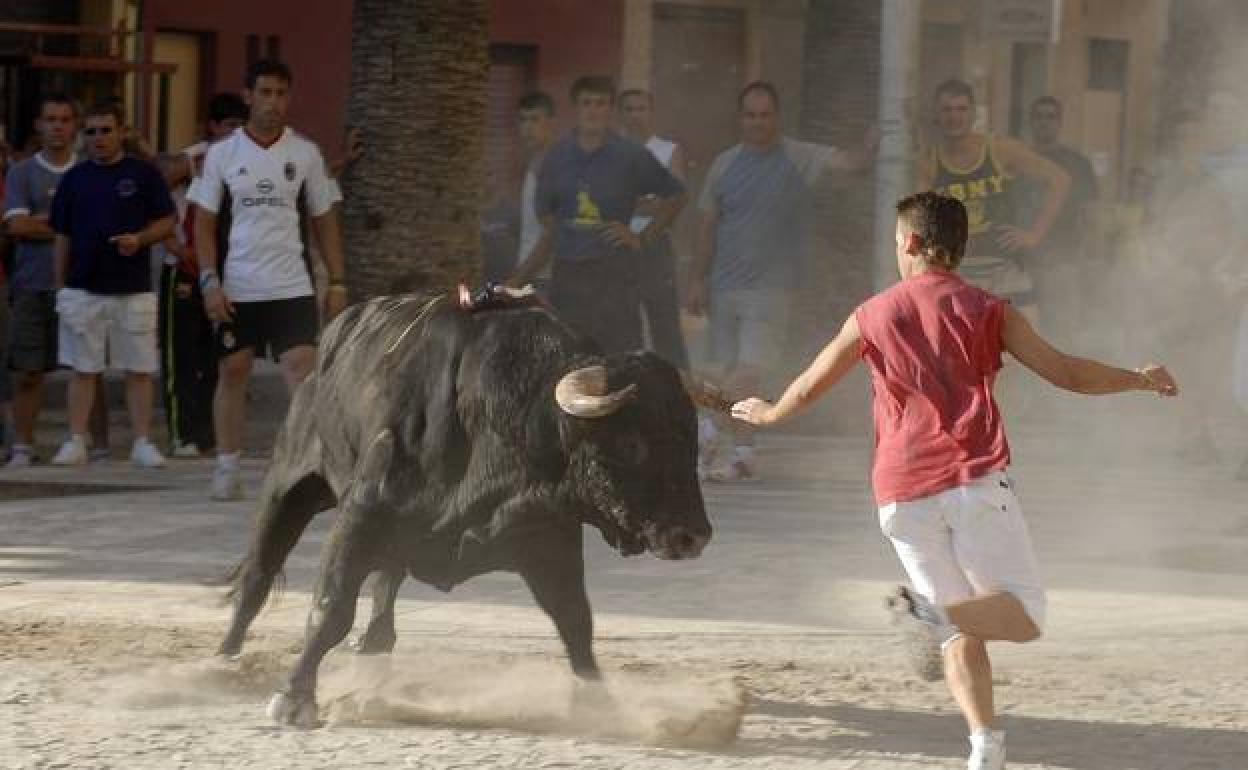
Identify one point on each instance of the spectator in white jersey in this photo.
(187, 345)
(255, 274)
(657, 261)
(537, 133)
(756, 208)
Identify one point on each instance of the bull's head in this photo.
(632, 435)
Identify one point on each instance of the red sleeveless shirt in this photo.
(933, 345)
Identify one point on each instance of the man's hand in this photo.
(1013, 238)
(1159, 380)
(696, 296)
(755, 411)
(217, 306)
(620, 236)
(335, 302)
(128, 244)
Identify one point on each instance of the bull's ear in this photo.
(583, 393)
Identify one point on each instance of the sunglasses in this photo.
(98, 130)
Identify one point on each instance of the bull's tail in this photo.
(232, 582)
(283, 517)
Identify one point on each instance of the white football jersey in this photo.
(265, 187)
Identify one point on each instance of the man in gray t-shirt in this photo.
(756, 206)
(29, 188)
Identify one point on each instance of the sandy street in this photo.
(107, 633)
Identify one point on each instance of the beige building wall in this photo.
(774, 37)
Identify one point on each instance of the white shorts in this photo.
(748, 328)
(97, 330)
(965, 542)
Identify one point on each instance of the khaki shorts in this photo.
(748, 327)
(99, 330)
(966, 542)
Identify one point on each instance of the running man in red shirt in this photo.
(933, 345)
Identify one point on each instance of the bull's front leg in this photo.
(554, 570)
(355, 546)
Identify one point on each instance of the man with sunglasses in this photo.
(107, 214)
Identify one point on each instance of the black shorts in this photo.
(269, 328)
(32, 331)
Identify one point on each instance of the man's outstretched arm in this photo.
(1078, 375)
(828, 368)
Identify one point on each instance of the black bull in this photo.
(456, 444)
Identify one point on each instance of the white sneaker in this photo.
(185, 450)
(226, 485)
(20, 457)
(987, 751)
(145, 455)
(72, 452)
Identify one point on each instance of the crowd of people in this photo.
(184, 265)
(590, 225)
(1041, 235)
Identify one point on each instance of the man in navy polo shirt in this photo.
(587, 192)
(106, 214)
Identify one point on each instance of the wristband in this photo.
(209, 280)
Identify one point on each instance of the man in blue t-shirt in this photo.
(587, 192)
(107, 213)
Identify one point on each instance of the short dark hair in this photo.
(59, 98)
(649, 97)
(955, 87)
(593, 84)
(1051, 101)
(108, 107)
(537, 100)
(760, 86)
(940, 222)
(270, 67)
(224, 106)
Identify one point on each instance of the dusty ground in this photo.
(106, 635)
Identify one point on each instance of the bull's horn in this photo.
(583, 393)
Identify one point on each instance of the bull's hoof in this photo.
(591, 697)
(292, 711)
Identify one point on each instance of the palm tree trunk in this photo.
(419, 70)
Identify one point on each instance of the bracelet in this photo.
(342, 287)
(1148, 381)
(209, 280)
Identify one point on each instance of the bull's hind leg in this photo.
(286, 509)
(380, 637)
(356, 546)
